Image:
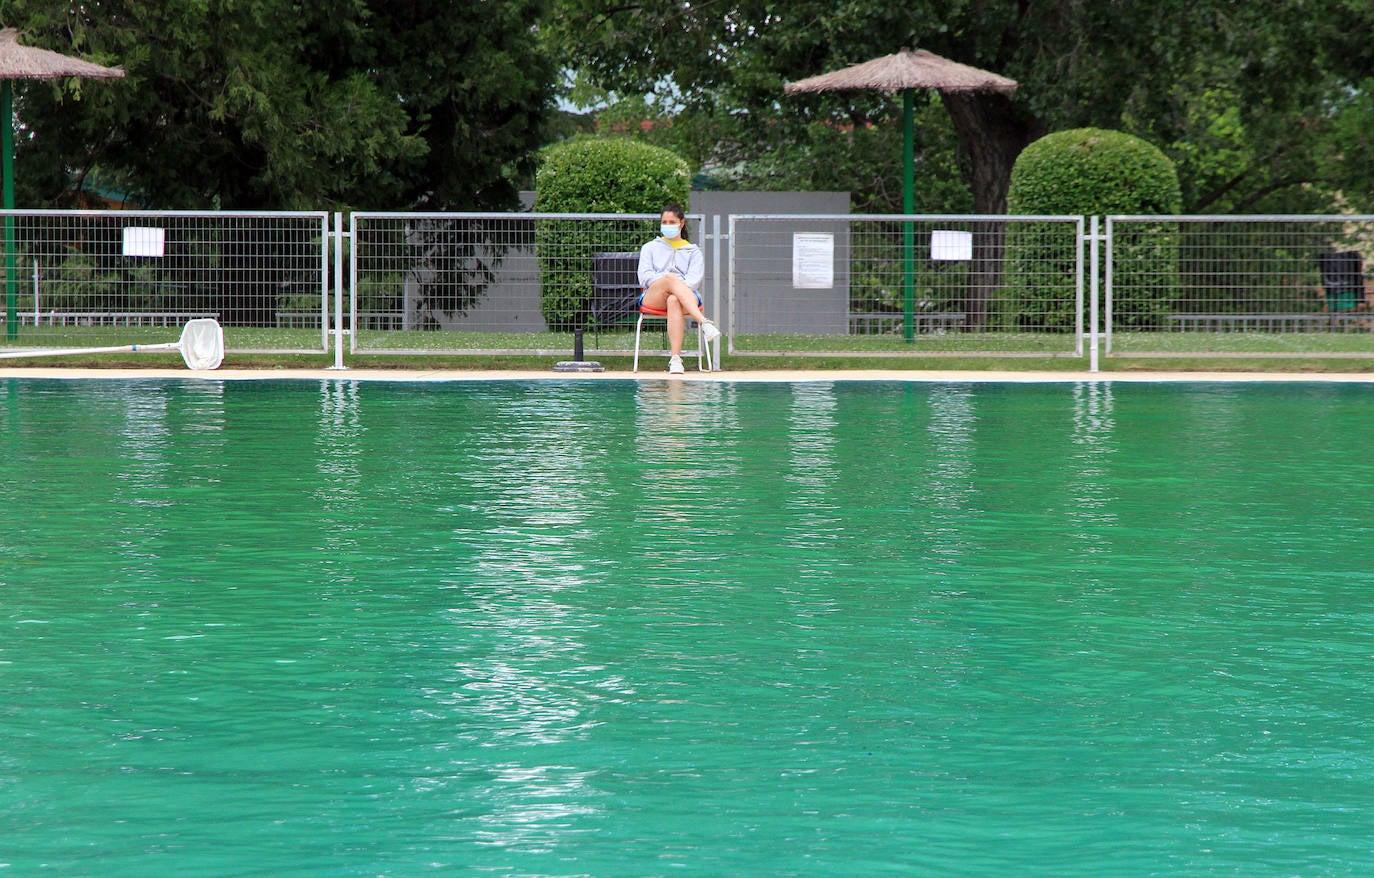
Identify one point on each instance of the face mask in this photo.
(670, 232)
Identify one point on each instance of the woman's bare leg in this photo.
(670, 293)
(677, 326)
(670, 286)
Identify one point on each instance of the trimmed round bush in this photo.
(591, 175)
(1093, 172)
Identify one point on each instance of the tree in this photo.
(267, 104)
(270, 104)
(1166, 71)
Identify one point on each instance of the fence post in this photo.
(1108, 234)
(1094, 240)
(714, 360)
(11, 265)
(338, 332)
(730, 284)
(354, 237)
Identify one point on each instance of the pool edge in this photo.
(755, 376)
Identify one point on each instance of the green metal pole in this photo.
(908, 207)
(7, 147)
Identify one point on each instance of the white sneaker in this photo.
(675, 366)
(709, 333)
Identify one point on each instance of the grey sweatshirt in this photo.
(658, 258)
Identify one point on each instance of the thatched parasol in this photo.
(26, 62)
(905, 72)
(907, 69)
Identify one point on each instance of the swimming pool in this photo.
(822, 628)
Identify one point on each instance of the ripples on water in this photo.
(603, 629)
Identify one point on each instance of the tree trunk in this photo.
(993, 132)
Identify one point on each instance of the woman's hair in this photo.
(677, 211)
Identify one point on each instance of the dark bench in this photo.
(1343, 280)
(615, 289)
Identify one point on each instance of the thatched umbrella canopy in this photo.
(907, 71)
(904, 72)
(26, 62)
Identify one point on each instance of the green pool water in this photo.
(605, 629)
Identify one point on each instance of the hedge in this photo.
(1092, 172)
(590, 175)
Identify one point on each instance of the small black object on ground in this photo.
(577, 364)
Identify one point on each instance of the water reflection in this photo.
(537, 473)
(10, 465)
(673, 423)
(813, 524)
(683, 453)
(154, 487)
(525, 533)
(1091, 448)
(549, 798)
(811, 433)
(9, 392)
(143, 442)
(550, 537)
(945, 487)
(338, 444)
(338, 461)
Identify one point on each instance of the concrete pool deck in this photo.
(781, 375)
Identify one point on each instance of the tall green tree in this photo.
(278, 104)
(1258, 102)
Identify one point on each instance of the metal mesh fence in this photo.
(92, 278)
(906, 285)
(1273, 286)
(492, 283)
(852, 285)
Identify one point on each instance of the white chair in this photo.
(703, 351)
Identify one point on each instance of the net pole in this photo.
(67, 352)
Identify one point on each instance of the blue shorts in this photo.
(700, 303)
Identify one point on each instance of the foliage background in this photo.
(423, 104)
(1262, 107)
(267, 104)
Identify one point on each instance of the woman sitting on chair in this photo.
(671, 269)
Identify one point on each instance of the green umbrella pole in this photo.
(7, 147)
(908, 207)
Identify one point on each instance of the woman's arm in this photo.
(647, 273)
(696, 268)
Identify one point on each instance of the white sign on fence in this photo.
(813, 261)
(948, 246)
(144, 241)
